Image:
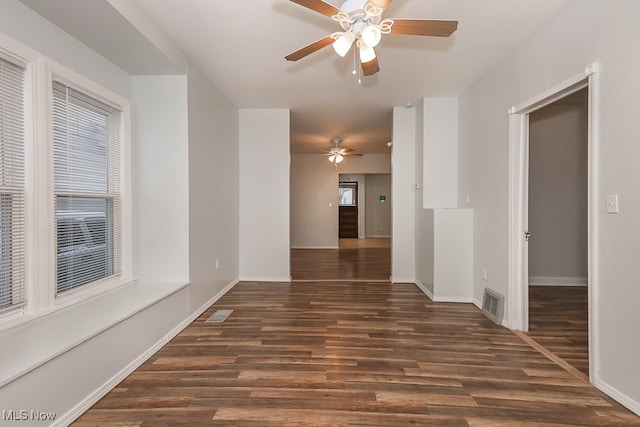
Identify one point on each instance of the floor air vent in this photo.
(493, 305)
(219, 316)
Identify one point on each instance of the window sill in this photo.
(29, 345)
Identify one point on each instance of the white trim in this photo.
(425, 290)
(402, 280)
(478, 304)
(618, 396)
(517, 298)
(463, 300)
(101, 391)
(266, 279)
(557, 281)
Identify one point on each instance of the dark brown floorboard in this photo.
(366, 264)
(350, 354)
(558, 320)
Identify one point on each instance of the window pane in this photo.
(87, 155)
(84, 240)
(12, 181)
(80, 144)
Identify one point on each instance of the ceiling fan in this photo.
(363, 26)
(337, 154)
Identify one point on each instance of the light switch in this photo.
(612, 204)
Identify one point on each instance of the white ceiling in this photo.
(241, 44)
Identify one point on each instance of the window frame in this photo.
(55, 71)
(40, 226)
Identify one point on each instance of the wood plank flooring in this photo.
(558, 320)
(356, 260)
(350, 354)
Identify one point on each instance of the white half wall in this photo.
(161, 179)
(264, 194)
(403, 189)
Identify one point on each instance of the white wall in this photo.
(213, 189)
(314, 202)
(29, 28)
(314, 184)
(264, 194)
(161, 179)
(67, 370)
(368, 163)
(587, 31)
(378, 214)
(403, 195)
(424, 239)
(440, 152)
(558, 194)
(185, 213)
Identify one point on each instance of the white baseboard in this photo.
(425, 290)
(282, 279)
(463, 300)
(434, 298)
(383, 236)
(99, 393)
(557, 281)
(618, 396)
(477, 303)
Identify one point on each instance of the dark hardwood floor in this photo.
(350, 354)
(356, 260)
(558, 320)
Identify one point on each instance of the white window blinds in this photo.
(87, 146)
(12, 182)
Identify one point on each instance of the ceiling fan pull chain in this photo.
(355, 61)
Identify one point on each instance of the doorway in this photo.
(348, 210)
(519, 233)
(557, 225)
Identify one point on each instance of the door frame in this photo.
(518, 280)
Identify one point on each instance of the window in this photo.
(65, 186)
(348, 194)
(87, 146)
(12, 185)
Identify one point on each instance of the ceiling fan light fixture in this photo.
(371, 35)
(336, 158)
(343, 43)
(367, 53)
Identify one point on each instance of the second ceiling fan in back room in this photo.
(363, 26)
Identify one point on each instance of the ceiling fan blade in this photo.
(424, 27)
(371, 67)
(353, 155)
(381, 3)
(309, 49)
(319, 6)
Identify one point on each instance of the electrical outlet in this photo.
(217, 263)
(484, 274)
